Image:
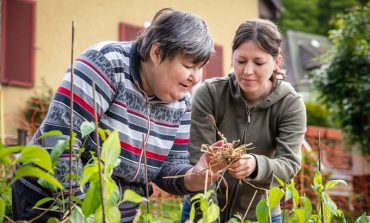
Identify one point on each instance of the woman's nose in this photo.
(248, 69)
(197, 75)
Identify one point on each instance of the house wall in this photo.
(98, 20)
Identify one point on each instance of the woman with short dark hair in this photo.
(143, 92)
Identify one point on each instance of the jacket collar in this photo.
(135, 65)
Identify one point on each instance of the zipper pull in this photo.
(249, 115)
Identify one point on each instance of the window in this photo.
(128, 32)
(215, 67)
(18, 42)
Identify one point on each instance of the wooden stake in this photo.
(71, 120)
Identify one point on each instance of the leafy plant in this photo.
(35, 162)
(343, 80)
(210, 210)
(91, 208)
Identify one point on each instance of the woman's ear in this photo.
(278, 61)
(154, 54)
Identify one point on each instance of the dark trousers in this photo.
(23, 201)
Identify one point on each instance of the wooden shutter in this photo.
(215, 67)
(18, 42)
(128, 31)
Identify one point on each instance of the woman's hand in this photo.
(244, 167)
(196, 176)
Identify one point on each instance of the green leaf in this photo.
(43, 201)
(132, 196)
(363, 219)
(76, 215)
(327, 213)
(233, 220)
(192, 212)
(275, 196)
(30, 171)
(330, 203)
(342, 217)
(209, 193)
(197, 196)
(114, 196)
(86, 128)
(92, 199)
(57, 150)
(317, 179)
(262, 211)
(111, 151)
(213, 212)
(47, 185)
(295, 198)
(307, 207)
(332, 183)
(282, 184)
(53, 220)
(5, 151)
(88, 172)
(300, 213)
(50, 133)
(2, 209)
(113, 214)
(204, 204)
(37, 155)
(102, 134)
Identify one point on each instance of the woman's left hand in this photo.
(244, 167)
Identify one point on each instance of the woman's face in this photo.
(172, 79)
(253, 68)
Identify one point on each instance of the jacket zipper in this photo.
(236, 186)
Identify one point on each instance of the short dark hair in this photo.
(177, 33)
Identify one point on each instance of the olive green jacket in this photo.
(276, 127)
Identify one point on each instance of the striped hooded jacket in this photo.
(122, 105)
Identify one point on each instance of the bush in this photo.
(344, 81)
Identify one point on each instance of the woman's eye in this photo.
(259, 63)
(241, 61)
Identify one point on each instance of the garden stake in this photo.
(319, 156)
(98, 152)
(71, 121)
(246, 212)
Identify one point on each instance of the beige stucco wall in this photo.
(97, 20)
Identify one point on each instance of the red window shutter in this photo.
(128, 31)
(18, 42)
(215, 67)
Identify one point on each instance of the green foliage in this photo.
(312, 16)
(317, 114)
(210, 210)
(344, 81)
(36, 162)
(363, 219)
(92, 204)
(299, 15)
